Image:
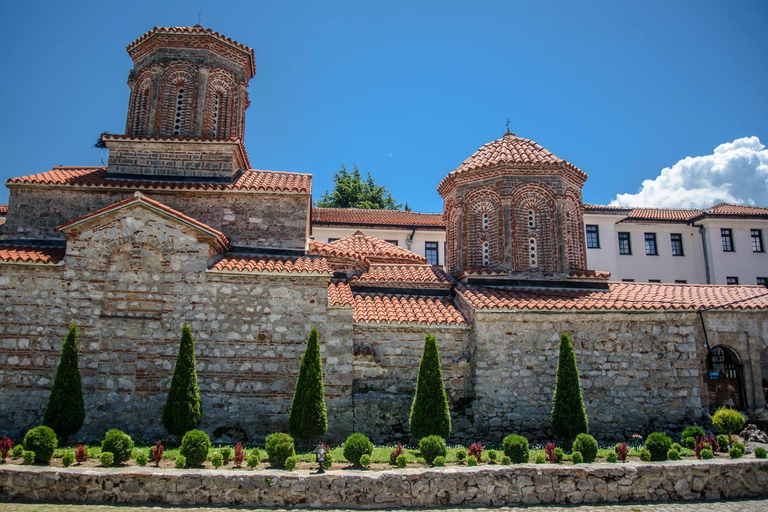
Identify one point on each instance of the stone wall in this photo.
(188, 160)
(467, 487)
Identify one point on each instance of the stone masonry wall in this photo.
(188, 162)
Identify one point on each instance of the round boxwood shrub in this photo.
(760, 452)
(365, 460)
(107, 459)
(506, 461)
(253, 460)
(727, 420)
(279, 447)
(691, 432)
(217, 460)
(540, 459)
(645, 455)
(28, 457)
(673, 454)
(577, 457)
(42, 441)
(17, 451)
(401, 461)
(67, 459)
(142, 459)
(181, 462)
(119, 444)
(431, 447)
(355, 447)
(688, 442)
(461, 455)
(611, 457)
(707, 453)
(658, 443)
(722, 442)
(736, 452)
(587, 445)
(471, 460)
(439, 461)
(290, 463)
(516, 448)
(226, 454)
(194, 447)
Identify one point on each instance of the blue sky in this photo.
(408, 90)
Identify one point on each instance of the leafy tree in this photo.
(65, 411)
(430, 414)
(727, 420)
(308, 418)
(568, 415)
(351, 191)
(182, 412)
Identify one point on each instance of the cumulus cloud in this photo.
(736, 172)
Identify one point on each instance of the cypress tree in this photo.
(568, 415)
(430, 414)
(65, 411)
(308, 418)
(181, 412)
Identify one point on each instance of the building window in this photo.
(393, 242)
(534, 254)
(762, 281)
(727, 237)
(677, 244)
(757, 240)
(485, 222)
(625, 246)
(179, 107)
(531, 219)
(486, 253)
(680, 281)
(732, 280)
(627, 280)
(431, 253)
(332, 240)
(650, 244)
(593, 237)
(654, 280)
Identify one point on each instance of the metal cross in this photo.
(507, 125)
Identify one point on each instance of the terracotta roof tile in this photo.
(406, 274)
(735, 209)
(401, 309)
(3, 209)
(272, 264)
(340, 294)
(664, 214)
(678, 214)
(600, 208)
(621, 296)
(31, 255)
(95, 177)
(359, 216)
(366, 248)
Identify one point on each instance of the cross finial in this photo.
(507, 125)
(199, 17)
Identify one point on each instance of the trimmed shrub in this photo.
(676, 446)
(253, 460)
(587, 445)
(279, 447)
(182, 412)
(402, 461)
(706, 454)
(41, 440)
(157, 453)
(328, 461)
(430, 415)
(645, 455)
(141, 459)
(290, 463)
(65, 411)
(217, 460)
(239, 455)
(673, 454)
(612, 457)
(471, 460)
(577, 457)
(736, 452)
(461, 455)
(506, 461)
(107, 459)
(119, 444)
(365, 460)
(226, 454)
(308, 418)
(691, 432)
(195, 447)
(439, 461)
(568, 415)
(81, 453)
(67, 459)
(355, 447)
(28, 457)
(658, 443)
(181, 462)
(540, 459)
(431, 447)
(722, 442)
(516, 448)
(760, 452)
(688, 442)
(492, 455)
(17, 451)
(727, 421)
(396, 452)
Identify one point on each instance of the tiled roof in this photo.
(95, 177)
(665, 214)
(600, 208)
(415, 274)
(677, 214)
(3, 209)
(31, 255)
(257, 264)
(366, 248)
(359, 216)
(736, 209)
(138, 198)
(511, 150)
(621, 296)
(340, 294)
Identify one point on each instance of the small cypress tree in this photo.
(65, 411)
(430, 414)
(181, 412)
(308, 418)
(568, 415)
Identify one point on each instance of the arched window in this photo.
(724, 378)
(141, 103)
(177, 102)
(220, 106)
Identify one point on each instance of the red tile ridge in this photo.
(376, 217)
(271, 264)
(387, 308)
(402, 273)
(30, 255)
(3, 209)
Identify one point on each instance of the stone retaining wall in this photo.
(483, 486)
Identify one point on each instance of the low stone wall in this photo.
(481, 486)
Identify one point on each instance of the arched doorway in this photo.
(724, 378)
(764, 372)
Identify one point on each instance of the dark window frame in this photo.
(681, 281)
(650, 244)
(726, 238)
(732, 280)
(430, 247)
(593, 237)
(764, 281)
(676, 240)
(625, 241)
(757, 240)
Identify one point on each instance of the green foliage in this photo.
(471, 461)
(355, 446)
(107, 459)
(559, 454)
(673, 454)
(568, 415)
(760, 452)
(182, 412)
(119, 444)
(195, 447)
(577, 457)
(253, 460)
(401, 461)
(430, 414)
(611, 457)
(737, 451)
(676, 446)
(142, 459)
(645, 455)
(65, 412)
(691, 432)
(492, 455)
(217, 460)
(328, 461)
(431, 447)
(279, 447)
(67, 459)
(587, 445)
(540, 459)
(308, 418)
(506, 461)
(365, 460)
(727, 420)
(28, 457)
(17, 451)
(351, 191)
(439, 461)
(723, 441)
(41, 440)
(290, 463)
(461, 455)
(516, 448)
(658, 443)
(226, 454)
(707, 453)
(688, 442)
(181, 462)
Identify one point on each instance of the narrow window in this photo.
(486, 253)
(677, 244)
(534, 255)
(654, 280)
(179, 107)
(762, 281)
(732, 280)
(332, 240)
(680, 281)
(531, 219)
(625, 245)
(216, 110)
(393, 242)
(593, 237)
(485, 222)
(432, 253)
(757, 240)
(650, 244)
(727, 238)
(627, 280)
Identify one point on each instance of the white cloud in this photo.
(736, 172)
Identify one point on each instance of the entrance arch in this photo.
(724, 378)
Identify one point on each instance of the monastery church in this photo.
(179, 228)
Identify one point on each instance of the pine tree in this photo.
(430, 414)
(182, 412)
(308, 418)
(65, 411)
(568, 415)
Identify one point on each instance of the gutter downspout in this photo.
(703, 233)
(409, 240)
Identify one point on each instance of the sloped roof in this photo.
(663, 214)
(678, 214)
(405, 274)
(31, 255)
(736, 209)
(263, 264)
(386, 218)
(366, 248)
(3, 209)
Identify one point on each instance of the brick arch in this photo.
(141, 104)
(180, 76)
(219, 121)
(479, 202)
(534, 201)
(573, 231)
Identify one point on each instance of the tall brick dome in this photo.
(514, 209)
